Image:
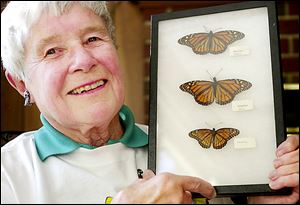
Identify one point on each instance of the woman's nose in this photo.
(81, 60)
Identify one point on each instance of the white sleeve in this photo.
(7, 191)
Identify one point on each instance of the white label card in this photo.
(242, 105)
(239, 51)
(244, 142)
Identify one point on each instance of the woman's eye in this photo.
(92, 39)
(50, 52)
(54, 52)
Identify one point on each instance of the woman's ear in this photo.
(16, 83)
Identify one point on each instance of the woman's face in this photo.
(72, 69)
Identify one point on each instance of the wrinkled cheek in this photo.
(55, 81)
(49, 87)
(111, 62)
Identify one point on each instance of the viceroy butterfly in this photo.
(218, 138)
(223, 91)
(214, 43)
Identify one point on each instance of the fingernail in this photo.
(276, 163)
(214, 194)
(272, 184)
(273, 175)
(280, 153)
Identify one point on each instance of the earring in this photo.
(27, 98)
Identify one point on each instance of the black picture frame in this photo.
(164, 55)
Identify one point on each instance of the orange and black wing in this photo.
(226, 90)
(199, 42)
(201, 90)
(214, 43)
(220, 40)
(203, 136)
(222, 136)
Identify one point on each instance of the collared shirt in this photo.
(50, 141)
(45, 166)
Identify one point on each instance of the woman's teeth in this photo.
(87, 87)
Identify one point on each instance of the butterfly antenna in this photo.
(217, 29)
(209, 75)
(218, 124)
(218, 72)
(205, 28)
(208, 125)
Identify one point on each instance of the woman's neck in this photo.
(96, 136)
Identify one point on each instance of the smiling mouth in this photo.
(87, 88)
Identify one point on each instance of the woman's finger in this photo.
(285, 181)
(284, 171)
(197, 185)
(288, 158)
(289, 145)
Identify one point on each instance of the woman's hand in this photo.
(164, 188)
(286, 173)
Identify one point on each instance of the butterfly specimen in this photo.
(222, 91)
(214, 43)
(218, 138)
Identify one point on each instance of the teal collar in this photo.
(49, 141)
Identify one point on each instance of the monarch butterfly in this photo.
(223, 91)
(214, 43)
(218, 138)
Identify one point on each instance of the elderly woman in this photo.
(61, 56)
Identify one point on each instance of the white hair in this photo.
(17, 19)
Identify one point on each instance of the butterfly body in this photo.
(217, 138)
(214, 43)
(222, 92)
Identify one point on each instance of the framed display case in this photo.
(216, 95)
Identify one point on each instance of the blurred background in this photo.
(133, 21)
